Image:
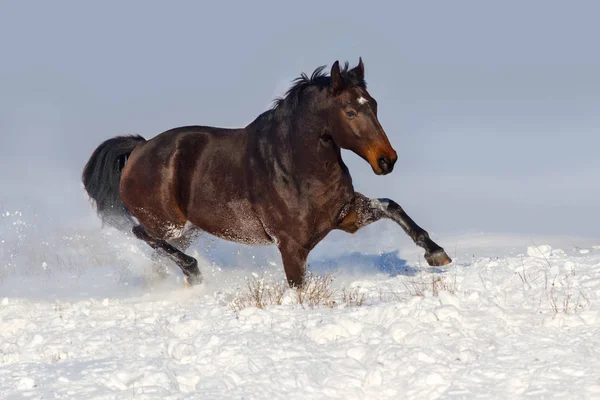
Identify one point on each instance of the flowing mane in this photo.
(320, 79)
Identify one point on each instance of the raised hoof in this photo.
(190, 281)
(438, 258)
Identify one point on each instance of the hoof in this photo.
(190, 281)
(438, 258)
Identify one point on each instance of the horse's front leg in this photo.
(365, 211)
(294, 256)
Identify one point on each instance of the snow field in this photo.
(518, 326)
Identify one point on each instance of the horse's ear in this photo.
(360, 69)
(337, 81)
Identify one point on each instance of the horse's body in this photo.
(280, 180)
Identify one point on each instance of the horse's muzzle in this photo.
(386, 164)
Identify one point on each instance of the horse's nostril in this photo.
(385, 164)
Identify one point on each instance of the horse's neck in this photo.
(286, 137)
(281, 146)
(301, 136)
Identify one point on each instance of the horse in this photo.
(279, 181)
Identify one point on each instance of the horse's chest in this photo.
(304, 210)
(338, 205)
(327, 206)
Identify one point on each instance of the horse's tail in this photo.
(102, 176)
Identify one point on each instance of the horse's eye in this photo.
(350, 114)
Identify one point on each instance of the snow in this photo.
(512, 317)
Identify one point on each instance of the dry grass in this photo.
(316, 292)
(259, 294)
(564, 298)
(434, 285)
(561, 294)
(353, 297)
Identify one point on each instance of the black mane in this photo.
(319, 78)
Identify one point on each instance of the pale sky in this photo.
(493, 108)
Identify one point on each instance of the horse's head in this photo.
(353, 119)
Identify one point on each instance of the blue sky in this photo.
(493, 108)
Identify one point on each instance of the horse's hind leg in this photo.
(188, 264)
(190, 233)
(365, 211)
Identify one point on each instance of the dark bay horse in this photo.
(280, 180)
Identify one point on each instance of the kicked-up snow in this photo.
(506, 320)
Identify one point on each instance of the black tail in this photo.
(101, 178)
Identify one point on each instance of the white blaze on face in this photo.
(362, 100)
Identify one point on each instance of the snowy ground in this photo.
(512, 317)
